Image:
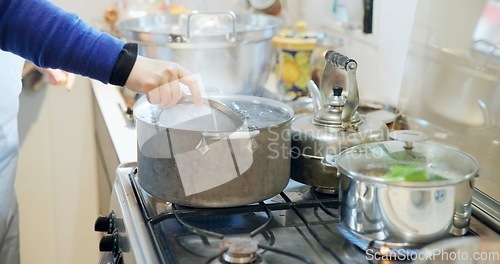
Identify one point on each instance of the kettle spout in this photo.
(315, 95)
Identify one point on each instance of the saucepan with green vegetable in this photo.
(406, 193)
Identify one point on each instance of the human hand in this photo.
(161, 81)
(59, 77)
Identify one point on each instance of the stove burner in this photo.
(393, 251)
(326, 190)
(239, 250)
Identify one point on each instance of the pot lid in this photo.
(395, 163)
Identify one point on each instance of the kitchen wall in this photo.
(381, 56)
(56, 181)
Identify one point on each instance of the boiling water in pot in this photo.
(258, 116)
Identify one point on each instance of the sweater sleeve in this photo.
(50, 37)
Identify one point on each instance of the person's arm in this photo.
(50, 37)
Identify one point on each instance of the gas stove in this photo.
(299, 225)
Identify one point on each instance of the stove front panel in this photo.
(129, 239)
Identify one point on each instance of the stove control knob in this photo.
(109, 243)
(102, 224)
(105, 223)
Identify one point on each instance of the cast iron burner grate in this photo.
(199, 232)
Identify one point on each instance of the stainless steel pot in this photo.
(233, 53)
(190, 162)
(405, 194)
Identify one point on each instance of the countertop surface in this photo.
(121, 130)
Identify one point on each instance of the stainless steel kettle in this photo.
(336, 125)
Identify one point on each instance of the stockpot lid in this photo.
(393, 163)
(199, 29)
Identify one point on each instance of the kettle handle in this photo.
(352, 100)
(340, 60)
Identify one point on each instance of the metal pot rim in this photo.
(424, 184)
(130, 28)
(256, 99)
(406, 184)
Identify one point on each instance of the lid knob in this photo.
(337, 90)
(337, 100)
(409, 136)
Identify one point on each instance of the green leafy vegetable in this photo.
(406, 173)
(411, 174)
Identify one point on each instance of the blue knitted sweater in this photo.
(50, 37)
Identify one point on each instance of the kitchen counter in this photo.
(115, 138)
(120, 129)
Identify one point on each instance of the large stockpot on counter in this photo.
(336, 125)
(187, 158)
(233, 53)
(405, 194)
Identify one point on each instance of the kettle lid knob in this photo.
(337, 90)
(337, 100)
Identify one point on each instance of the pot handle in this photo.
(329, 160)
(230, 14)
(231, 135)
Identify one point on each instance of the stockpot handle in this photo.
(230, 14)
(231, 135)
